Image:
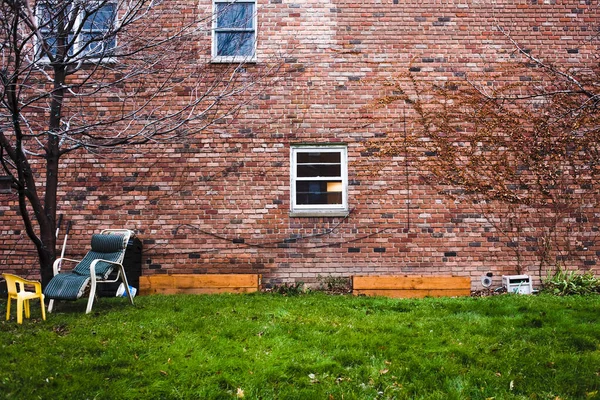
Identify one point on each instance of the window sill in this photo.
(318, 214)
(45, 62)
(233, 60)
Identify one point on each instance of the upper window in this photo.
(234, 31)
(319, 180)
(5, 184)
(86, 29)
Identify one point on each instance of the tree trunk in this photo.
(47, 222)
(47, 255)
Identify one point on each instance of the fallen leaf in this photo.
(240, 393)
(384, 371)
(164, 373)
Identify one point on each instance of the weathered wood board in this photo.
(200, 284)
(411, 286)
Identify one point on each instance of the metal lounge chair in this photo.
(98, 266)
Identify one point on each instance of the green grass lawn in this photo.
(314, 346)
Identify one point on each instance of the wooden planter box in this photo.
(199, 284)
(411, 286)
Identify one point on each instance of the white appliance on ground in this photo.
(519, 284)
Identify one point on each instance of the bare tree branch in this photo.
(97, 75)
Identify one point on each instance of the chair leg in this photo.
(91, 299)
(19, 311)
(43, 308)
(90, 303)
(27, 309)
(8, 308)
(127, 290)
(50, 306)
(126, 283)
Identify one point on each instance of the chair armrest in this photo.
(36, 284)
(96, 261)
(58, 262)
(38, 287)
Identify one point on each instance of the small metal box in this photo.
(519, 284)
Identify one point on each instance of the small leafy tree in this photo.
(98, 75)
(521, 142)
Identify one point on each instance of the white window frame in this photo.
(318, 209)
(215, 58)
(78, 44)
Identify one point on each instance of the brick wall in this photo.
(218, 202)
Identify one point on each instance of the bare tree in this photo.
(96, 75)
(520, 142)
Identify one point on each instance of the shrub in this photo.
(334, 284)
(565, 282)
(289, 289)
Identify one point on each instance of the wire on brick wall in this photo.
(406, 168)
(272, 244)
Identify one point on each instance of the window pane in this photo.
(53, 15)
(51, 40)
(95, 45)
(319, 158)
(101, 20)
(235, 43)
(316, 193)
(305, 171)
(45, 17)
(50, 14)
(235, 15)
(95, 26)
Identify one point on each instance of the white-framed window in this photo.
(89, 31)
(234, 31)
(5, 184)
(319, 180)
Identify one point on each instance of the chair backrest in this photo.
(15, 284)
(11, 283)
(105, 246)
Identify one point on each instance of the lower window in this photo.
(319, 180)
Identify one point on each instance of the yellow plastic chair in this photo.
(16, 290)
